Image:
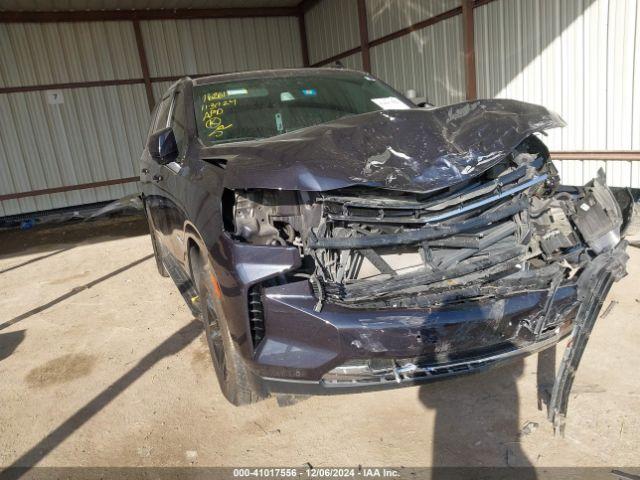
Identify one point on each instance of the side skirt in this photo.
(185, 286)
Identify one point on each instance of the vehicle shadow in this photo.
(72, 292)
(9, 342)
(477, 422)
(546, 375)
(171, 346)
(55, 239)
(35, 260)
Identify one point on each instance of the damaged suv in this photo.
(333, 237)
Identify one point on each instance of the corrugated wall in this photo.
(332, 28)
(388, 16)
(49, 5)
(36, 54)
(430, 61)
(178, 47)
(97, 133)
(580, 58)
(352, 62)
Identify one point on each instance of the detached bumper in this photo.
(415, 374)
(460, 331)
(343, 349)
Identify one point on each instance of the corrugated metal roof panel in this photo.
(430, 61)
(387, 16)
(179, 47)
(332, 28)
(95, 135)
(37, 54)
(51, 5)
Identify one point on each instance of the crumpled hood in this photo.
(412, 150)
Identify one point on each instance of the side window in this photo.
(178, 122)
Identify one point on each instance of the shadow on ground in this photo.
(72, 292)
(171, 346)
(477, 421)
(55, 239)
(9, 342)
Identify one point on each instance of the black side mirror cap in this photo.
(426, 105)
(162, 146)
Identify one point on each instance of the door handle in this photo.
(157, 178)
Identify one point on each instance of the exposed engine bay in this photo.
(512, 227)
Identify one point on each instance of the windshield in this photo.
(260, 108)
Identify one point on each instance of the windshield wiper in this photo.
(238, 139)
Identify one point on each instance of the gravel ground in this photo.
(101, 363)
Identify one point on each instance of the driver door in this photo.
(151, 177)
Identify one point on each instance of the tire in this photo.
(238, 384)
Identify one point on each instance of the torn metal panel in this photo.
(511, 230)
(414, 150)
(593, 286)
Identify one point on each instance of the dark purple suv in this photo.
(334, 237)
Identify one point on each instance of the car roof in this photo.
(279, 73)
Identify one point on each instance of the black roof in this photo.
(280, 73)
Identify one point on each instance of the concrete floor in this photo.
(101, 363)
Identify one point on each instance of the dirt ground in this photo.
(101, 363)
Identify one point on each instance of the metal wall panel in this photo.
(580, 58)
(332, 28)
(352, 62)
(49, 5)
(95, 135)
(430, 61)
(159, 88)
(387, 16)
(179, 47)
(37, 54)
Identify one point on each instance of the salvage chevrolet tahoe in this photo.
(333, 237)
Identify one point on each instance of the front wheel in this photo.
(237, 383)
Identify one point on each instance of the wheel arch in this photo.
(193, 239)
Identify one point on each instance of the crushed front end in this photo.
(385, 287)
(408, 246)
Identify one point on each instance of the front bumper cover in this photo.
(573, 310)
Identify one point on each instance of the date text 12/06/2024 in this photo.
(310, 472)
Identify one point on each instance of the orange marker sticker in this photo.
(216, 285)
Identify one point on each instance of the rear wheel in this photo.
(237, 383)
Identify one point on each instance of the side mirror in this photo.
(162, 146)
(426, 104)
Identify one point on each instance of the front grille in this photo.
(384, 249)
